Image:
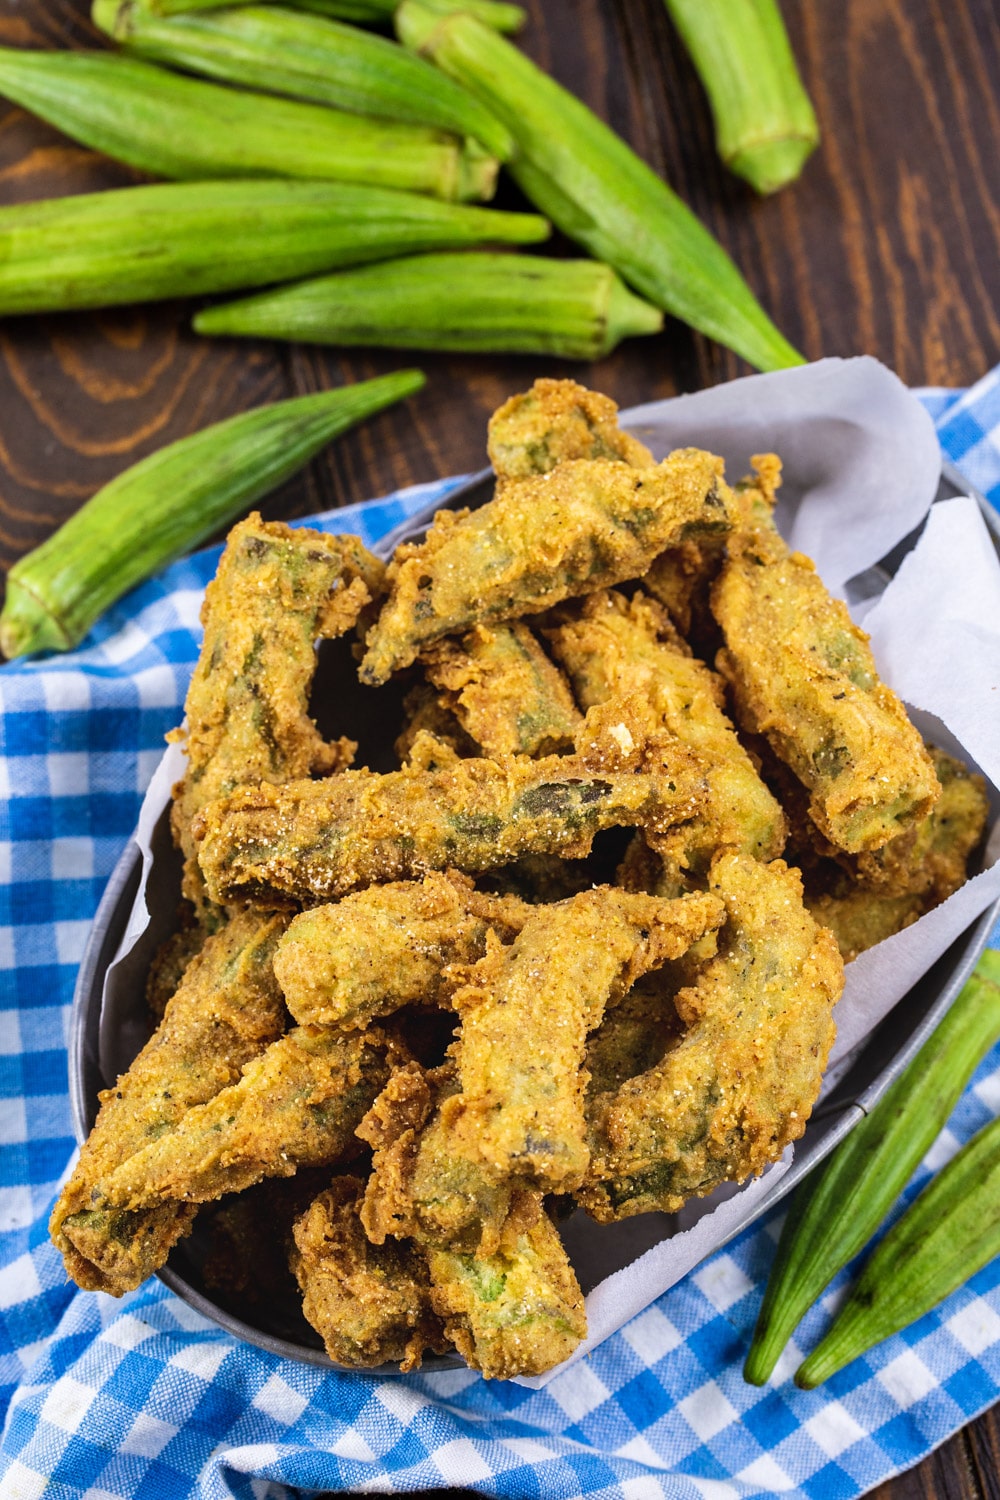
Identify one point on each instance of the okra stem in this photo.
(840, 1206)
(594, 187)
(139, 244)
(765, 125)
(467, 302)
(308, 57)
(186, 128)
(168, 503)
(944, 1238)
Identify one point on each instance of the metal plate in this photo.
(883, 1057)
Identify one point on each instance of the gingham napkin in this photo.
(143, 1398)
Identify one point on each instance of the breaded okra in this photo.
(313, 840)
(865, 898)
(296, 1105)
(369, 1303)
(420, 1188)
(586, 525)
(741, 1082)
(558, 420)
(621, 646)
(526, 1013)
(387, 946)
(802, 674)
(504, 691)
(518, 1311)
(227, 1009)
(277, 589)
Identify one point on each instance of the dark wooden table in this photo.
(889, 245)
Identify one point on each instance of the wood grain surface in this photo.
(889, 245)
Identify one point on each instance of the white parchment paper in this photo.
(862, 465)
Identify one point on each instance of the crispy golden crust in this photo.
(504, 691)
(558, 420)
(589, 524)
(276, 590)
(518, 1311)
(420, 1188)
(868, 897)
(369, 1303)
(739, 1086)
(296, 1105)
(313, 840)
(526, 1013)
(227, 1009)
(389, 946)
(618, 646)
(424, 715)
(802, 675)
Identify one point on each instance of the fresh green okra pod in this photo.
(181, 239)
(765, 125)
(308, 57)
(179, 127)
(840, 1206)
(168, 503)
(487, 302)
(596, 190)
(496, 13)
(948, 1234)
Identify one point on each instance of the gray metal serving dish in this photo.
(884, 1055)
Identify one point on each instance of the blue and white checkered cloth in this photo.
(142, 1398)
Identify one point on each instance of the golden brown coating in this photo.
(318, 840)
(296, 1105)
(420, 1188)
(634, 1034)
(518, 1311)
(617, 646)
(867, 897)
(740, 1084)
(802, 675)
(227, 1009)
(526, 1013)
(388, 946)
(369, 1303)
(505, 692)
(276, 590)
(558, 420)
(423, 714)
(588, 524)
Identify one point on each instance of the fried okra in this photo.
(369, 1303)
(558, 420)
(504, 691)
(802, 675)
(277, 589)
(619, 646)
(227, 1009)
(388, 946)
(588, 524)
(313, 840)
(518, 1311)
(740, 1083)
(296, 1105)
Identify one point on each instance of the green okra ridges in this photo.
(948, 1234)
(473, 301)
(168, 503)
(140, 244)
(185, 128)
(841, 1205)
(307, 57)
(765, 125)
(597, 191)
(496, 13)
